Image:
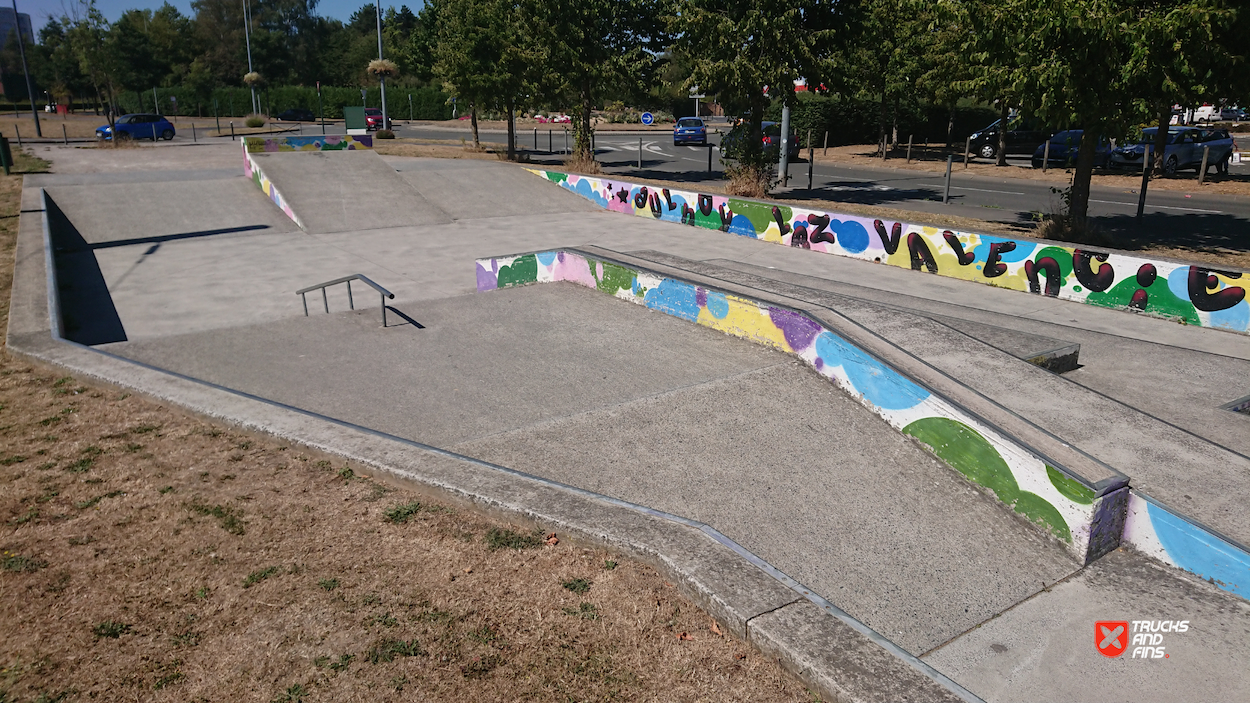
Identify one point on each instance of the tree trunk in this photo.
(1078, 204)
(894, 133)
(881, 125)
(1161, 138)
(1002, 133)
(950, 127)
(477, 143)
(511, 132)
(582, 135)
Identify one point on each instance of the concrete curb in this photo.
(837, 655)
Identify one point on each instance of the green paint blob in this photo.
(556, 177)
(1070, 488)
(1063, 257)
(615, 277)
(518, 273)
(760, 214)
(1161, 300)
(964, 449)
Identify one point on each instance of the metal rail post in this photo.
(1202, 174)
(1046, 156)
(1145, 181)
(967, 152)
(909, 138)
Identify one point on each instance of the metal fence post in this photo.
(946, 197)
(967, 152)
(1046, 156)
(232, 130)
(639, 152)
(909, 138)
(826, 143)
(1145, 180)
(1202, 174)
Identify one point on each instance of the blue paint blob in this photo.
(1178, 282)
(1236, 318)
(675, 298)
(741, 225)
(584, 189)
(851, 235)
(1196, 550)
(546, 258)
(717, 304)
(882, 387)
(1023, 250)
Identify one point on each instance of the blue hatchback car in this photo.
(690, 130)
(138, 126)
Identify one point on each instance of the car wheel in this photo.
(1170, 167)
(987, 151)
(123, 135)
(167, 135)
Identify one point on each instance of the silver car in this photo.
(1184, 150)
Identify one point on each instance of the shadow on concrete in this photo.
(88, 314)
(174, 237)
(1196, 231)
(406, 318)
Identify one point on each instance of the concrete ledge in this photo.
(1193, 293)
(917, 399)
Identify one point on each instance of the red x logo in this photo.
(1111, 637)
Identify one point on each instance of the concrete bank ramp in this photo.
(481, 189)
(346, 191)
(576, 386)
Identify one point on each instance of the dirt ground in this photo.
(146, 554)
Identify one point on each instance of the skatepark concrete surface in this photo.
(801, 516)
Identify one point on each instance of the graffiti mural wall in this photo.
(1195, 294)
(273, 145)
(1045, 495)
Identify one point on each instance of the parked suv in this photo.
(731, 144)
(137, 127)
(296, 114)
(1023, 137)
(1183, 150)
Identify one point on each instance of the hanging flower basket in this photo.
(252, 79)
(382, 68)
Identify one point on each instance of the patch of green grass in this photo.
(484, 634)
(49, 493)
(30, 515)
(168, 680)
(399, 682)
(385, 620)
(11, 460)
(260, 575)
(578, 586)
(79, 541)
(167, 489)
(497, 539)
(346, 473)
(401, 513)
(344, 661)
(111, 628)
(585, 611)
(80, 466)
(46, 465)
(609, 564)
(230, 519)
(387, 650)
(294, 693)
(190, 638)
(144, 429)
(92, 502)
(132, 447)
(12, 561)
(328, 584)
(202, 592)
(49, 421)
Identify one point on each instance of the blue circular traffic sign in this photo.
(648, 118)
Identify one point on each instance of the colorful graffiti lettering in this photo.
(1064, 505)
(331, 142)
(1196, 294)
(253, 171)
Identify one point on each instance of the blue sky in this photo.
(41, 10)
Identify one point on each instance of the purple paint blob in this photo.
(820, 364)
(798, 329)
(700, 297)
(486, 280)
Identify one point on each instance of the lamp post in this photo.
(30, 89)
(386, 123)
(247, 37)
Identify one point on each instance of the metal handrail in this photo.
(350, 302)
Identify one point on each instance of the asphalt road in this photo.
(1211, 220)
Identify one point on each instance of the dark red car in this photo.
(373, 118)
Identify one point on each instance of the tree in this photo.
(485, 55)
(87, 33)
(739, 47)
(593, 51)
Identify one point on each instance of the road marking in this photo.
(979, 190)
(1161, 207)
